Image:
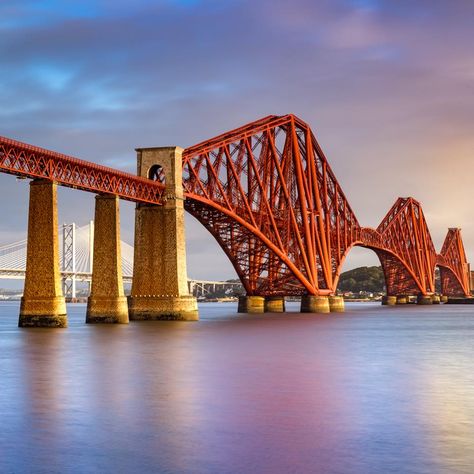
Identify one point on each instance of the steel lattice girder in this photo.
(266, 192)
(452, 262)
(29, 161)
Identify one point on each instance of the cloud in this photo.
(387, 87)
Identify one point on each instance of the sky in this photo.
(386, 85)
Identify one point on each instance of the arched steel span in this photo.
(266, 192)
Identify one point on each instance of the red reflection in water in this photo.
(368, 391)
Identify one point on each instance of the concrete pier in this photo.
(275, 304)
(443, 298)
(402, 299)
(42, 304)
(435, 299)
(389, 300)
(160, 288)
(107, 302)
(424, 299)
(251, 304)
(336, 304)
(315, 304)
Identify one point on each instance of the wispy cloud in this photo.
(388, 87)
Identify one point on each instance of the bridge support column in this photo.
(336, 304)
(275, 304)
(402, 299)
(42, 304)
(251, 304)
(424, 299)
(315, 304)
(389, 300)
(160, 286)
(107, 302)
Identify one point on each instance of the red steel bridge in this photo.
(267, 194)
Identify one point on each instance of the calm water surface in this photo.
(374, 390)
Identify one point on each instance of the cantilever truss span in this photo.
(267, 194)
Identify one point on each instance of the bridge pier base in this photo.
(42, 304)
(107, 302)
(275, 304)
(336, 304)
(251, 304)
(402, 299)
(315, 304)
(443, 298)
(160, 287)
(435, 299)
(389, 300)
(424, 299)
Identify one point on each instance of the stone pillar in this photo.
(251, 304)
(443, 299)
(275, 304)
(107, 302)
(160, 286)
(389, 300)
(314, 304)
(435, 299)
(424, 299)
(43, 302)
(336, 304)
(402, 299)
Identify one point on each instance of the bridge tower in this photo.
(69, 260)
(160, 289)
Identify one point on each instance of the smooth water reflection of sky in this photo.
(373, 390)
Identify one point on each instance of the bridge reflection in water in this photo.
(265, 191)
(371, 391)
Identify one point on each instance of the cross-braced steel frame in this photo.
(267, 194)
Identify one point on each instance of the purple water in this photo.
(373, 390)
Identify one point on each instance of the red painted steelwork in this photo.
(267, 194)
(29, 161)
(406, 235)
(454, 269)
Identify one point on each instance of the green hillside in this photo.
(368, 279)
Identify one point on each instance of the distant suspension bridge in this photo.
(76, 262)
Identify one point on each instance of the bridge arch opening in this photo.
(392, 278)
(157, 173)
(206, 258)
(361, 271)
